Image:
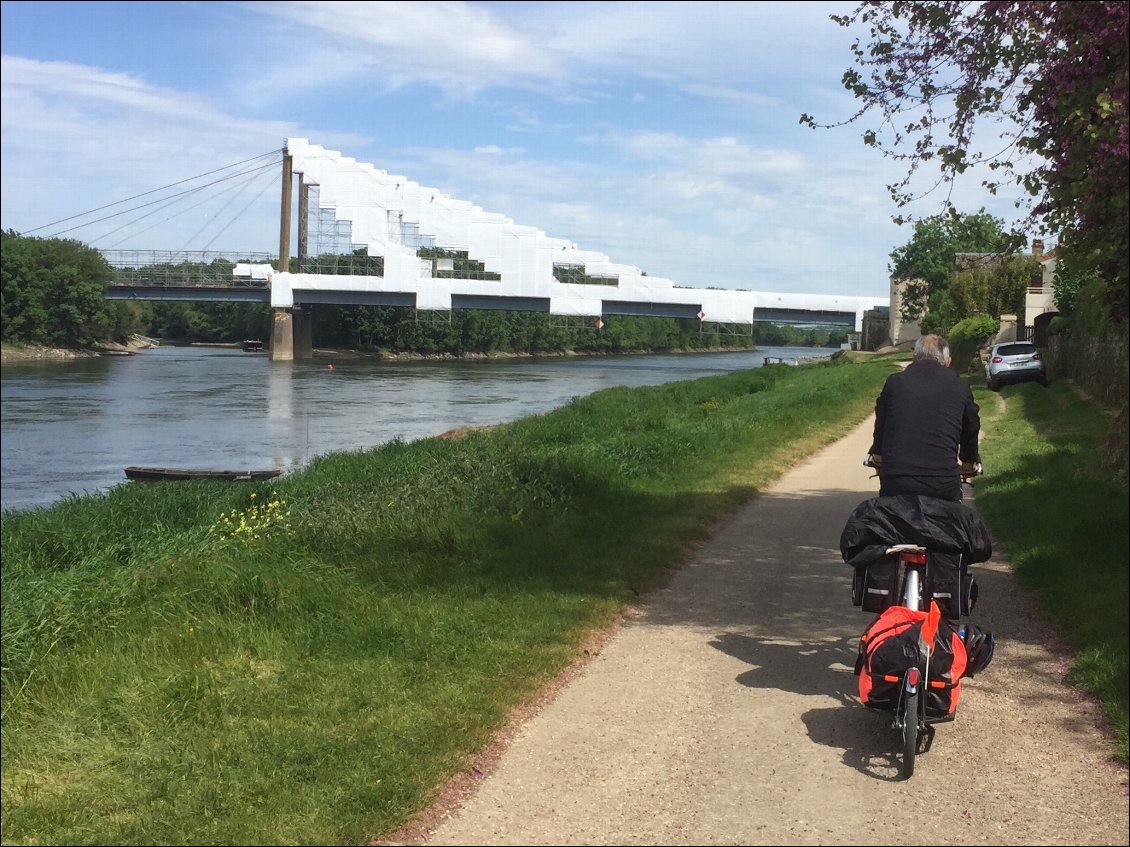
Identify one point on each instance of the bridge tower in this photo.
(291, 328)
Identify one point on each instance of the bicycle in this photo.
(910, 717)
(907, 596)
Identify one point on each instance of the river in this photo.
(73, 427)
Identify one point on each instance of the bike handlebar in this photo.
(968, 470)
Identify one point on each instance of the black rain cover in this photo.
(940, 525)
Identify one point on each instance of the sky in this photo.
(665, 135)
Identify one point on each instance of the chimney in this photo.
(1037, 247)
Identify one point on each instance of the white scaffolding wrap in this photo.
(392, 217)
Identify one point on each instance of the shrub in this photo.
(968, 336)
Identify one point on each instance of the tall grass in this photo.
(308, 660)
(1063, 525)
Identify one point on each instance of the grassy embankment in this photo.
(1063, 526)
(308, 661)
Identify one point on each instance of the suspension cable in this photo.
(239, 213)
(152, 191)
(161, 200)
(170, 202)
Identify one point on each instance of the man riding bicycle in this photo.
(926, 422)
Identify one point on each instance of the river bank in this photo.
(73, 425)
(10, 352)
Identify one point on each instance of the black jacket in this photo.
(925, 420)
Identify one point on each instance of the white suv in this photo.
(1014, 361)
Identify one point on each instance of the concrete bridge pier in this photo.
(292, 335)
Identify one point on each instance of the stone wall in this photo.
(876, 330)
(901, 332)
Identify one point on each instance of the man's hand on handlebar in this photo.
(968, 470)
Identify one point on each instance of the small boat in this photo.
(252, 346)
(139, 474)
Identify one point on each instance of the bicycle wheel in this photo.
(909, 734)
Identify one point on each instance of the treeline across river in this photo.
(405, 330)
(54, 294)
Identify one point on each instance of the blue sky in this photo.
(665, 135)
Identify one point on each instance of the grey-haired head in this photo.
(932, 348)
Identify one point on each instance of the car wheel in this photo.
(994, 385)
(1043, 381)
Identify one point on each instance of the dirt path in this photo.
(725, 712)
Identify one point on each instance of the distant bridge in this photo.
(366, 237)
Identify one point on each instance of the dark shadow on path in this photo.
(822, 669)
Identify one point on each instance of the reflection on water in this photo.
(74, 427)
(280, 411)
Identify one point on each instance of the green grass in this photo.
(166, 681)
(1062, 524)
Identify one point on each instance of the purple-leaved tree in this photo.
(1051, 75)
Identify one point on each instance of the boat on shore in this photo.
(794, 361)
(144, 474)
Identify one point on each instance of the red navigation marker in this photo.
(598, 323)
(701, 314)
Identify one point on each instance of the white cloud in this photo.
(457, 47)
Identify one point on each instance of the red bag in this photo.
(894, 643)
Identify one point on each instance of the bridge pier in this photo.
(292, 335)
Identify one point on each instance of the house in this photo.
(1040, 299)
(1039, 302)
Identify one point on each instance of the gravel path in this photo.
(725, 712)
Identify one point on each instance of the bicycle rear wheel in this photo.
(909, 734)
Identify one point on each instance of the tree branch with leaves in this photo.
(1051, 76)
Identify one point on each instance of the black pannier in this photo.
(876, 586)
(950, 585)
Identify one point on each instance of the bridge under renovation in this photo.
(367, 237)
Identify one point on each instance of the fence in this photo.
(180, 268)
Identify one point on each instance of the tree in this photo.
(931, 257)
(993, 288)
(1053, 73)
(1069, 281)
(54, 292)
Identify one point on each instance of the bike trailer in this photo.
(894, 643)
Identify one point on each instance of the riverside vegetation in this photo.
(310, 659)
